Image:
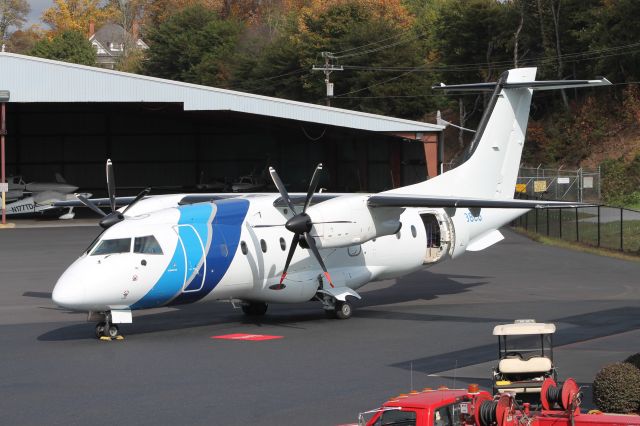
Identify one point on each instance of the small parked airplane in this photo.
(43, 203)
(176, 249)
(18, 187)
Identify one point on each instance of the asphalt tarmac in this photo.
(430, 328)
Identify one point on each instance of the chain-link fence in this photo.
(608, 227)
(582, 185)
(559, 184)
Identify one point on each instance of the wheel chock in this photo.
(105, 338)
(119, 337)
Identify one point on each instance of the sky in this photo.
(37, 6)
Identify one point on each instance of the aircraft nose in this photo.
(68, 292)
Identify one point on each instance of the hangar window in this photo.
(263, 246)
(146, 245)
(283, 244)
(118, 245)
(243, 247)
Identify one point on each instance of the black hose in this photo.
(488, 412)
(554, 396)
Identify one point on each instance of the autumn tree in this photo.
(23, 41)
(13, 13)
(75, 15)
(376, 42)
(67, 46)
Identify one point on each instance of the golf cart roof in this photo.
(520, 327)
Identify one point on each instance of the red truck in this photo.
(560, 406)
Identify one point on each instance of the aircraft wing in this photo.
(411, 200)
(299, 198)
(100, 202)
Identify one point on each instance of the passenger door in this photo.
(194, 254)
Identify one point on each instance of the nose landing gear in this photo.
(107, 331)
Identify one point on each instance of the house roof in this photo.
(31, 79)
(110, 32)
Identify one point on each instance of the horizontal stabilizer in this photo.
(486, 240)
(535, 85)
(414, 200)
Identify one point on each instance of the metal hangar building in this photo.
(70, 118)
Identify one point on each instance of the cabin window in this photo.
(283, 244)
(413, 231)
(243, 247)
(354, 250)
(449, 415)
(263, 246)
(146, 245)
(118, 245)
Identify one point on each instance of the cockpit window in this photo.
(146, 245)
(94, 242)
(118, 245)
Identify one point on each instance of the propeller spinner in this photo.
(300, 224)
(115, 216)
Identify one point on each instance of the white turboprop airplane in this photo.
(176, 249)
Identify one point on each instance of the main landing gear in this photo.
(340, 310)
(107, 331)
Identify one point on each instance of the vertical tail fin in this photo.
(491, 170)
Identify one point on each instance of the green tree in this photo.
(68, 46)
(194, 45)
(613, 24)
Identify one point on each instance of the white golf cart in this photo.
(525, 357)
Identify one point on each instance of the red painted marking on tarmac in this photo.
(243, 336)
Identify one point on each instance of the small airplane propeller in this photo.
(300, 224)
(115, 216)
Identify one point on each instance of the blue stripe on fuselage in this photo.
(227, 225)
(172, 279)
(220, 238)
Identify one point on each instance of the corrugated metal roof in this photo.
(32, 79)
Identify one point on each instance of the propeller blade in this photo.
(281, 189)
(142, 193)
(111, 185)
(267, 226)
(90, 204)
(312, 186)
(292, 249)
(312, 245)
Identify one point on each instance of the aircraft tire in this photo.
(113, 331)
(343, 310)
(255, 309)
(100, 329)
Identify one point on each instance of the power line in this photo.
(374, 42)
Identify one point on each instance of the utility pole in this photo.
(4, 186)
(328, 68)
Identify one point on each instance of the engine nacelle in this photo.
(351, 221)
